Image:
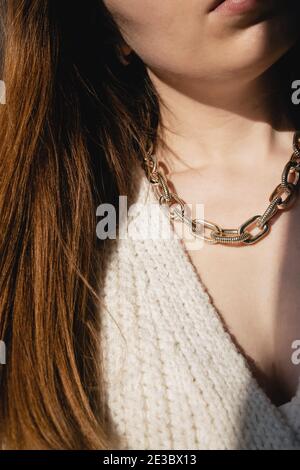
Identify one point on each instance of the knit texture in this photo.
(174, 378)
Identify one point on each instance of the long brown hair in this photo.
(63, 152)
(76, 122)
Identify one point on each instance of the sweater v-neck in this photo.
(288, 434)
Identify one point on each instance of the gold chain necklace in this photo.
(281, 198)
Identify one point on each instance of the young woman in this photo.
(140, 342)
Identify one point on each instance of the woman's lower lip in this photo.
(235, 7)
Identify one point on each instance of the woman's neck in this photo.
(220, 124)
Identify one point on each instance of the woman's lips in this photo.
(234, 7)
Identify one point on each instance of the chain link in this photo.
(281, 198)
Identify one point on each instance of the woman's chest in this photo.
(255, 290)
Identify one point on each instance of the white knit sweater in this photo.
(174, 378)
